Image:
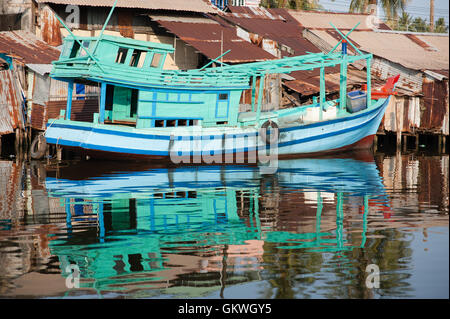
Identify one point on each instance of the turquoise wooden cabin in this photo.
(135, 90)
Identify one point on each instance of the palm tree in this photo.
(440, 26)
(405, 21)
(291, 4)
(391, 8)
(420, 25)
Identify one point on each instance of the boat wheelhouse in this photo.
(148, 112)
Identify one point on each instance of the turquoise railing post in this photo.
(260, 96)
(69, 99)
(366, 212)
(340, 221)
(101, 117)
(253, 92)
(68, 215)
(101, 222)
(343, 78)
(369, 83)
(318, 217)
(322, 88)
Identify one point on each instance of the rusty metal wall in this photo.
(38, 116)
(408, 111)
(435, 107)
(10, 102)
(82, 110)
(49, 26)
(10, 178)
(410, 80)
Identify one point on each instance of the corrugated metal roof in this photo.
(40, 68)
(27, 47)
(207, 38)
(281, 31)
(398, 48)
(318, 20)
(260, 12)
(176, 5)
(416, 52)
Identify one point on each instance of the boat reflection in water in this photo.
(204, 226)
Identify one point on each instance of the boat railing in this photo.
(85, 66)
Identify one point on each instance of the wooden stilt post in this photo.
(440, 143)
(58, 152)
(397, 125)
(16, 142)
(405, 143)
(416, 147)
(444, 144)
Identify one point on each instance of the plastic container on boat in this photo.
(356, 101)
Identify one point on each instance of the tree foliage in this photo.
(291, 4)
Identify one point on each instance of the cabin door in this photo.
(222, 106)
(125, 104)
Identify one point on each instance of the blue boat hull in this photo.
(215, 144)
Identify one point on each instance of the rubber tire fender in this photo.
(38, 147)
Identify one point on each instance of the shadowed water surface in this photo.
(308, 231)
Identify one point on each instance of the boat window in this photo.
(156, 60)
(138, 58)
(121, 55)
(75, 48)
(173, 122)
(159, 123)
(223, 96)
(86, 46)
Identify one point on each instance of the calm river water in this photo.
(317, 228)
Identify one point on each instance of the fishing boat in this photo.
(192, 116)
